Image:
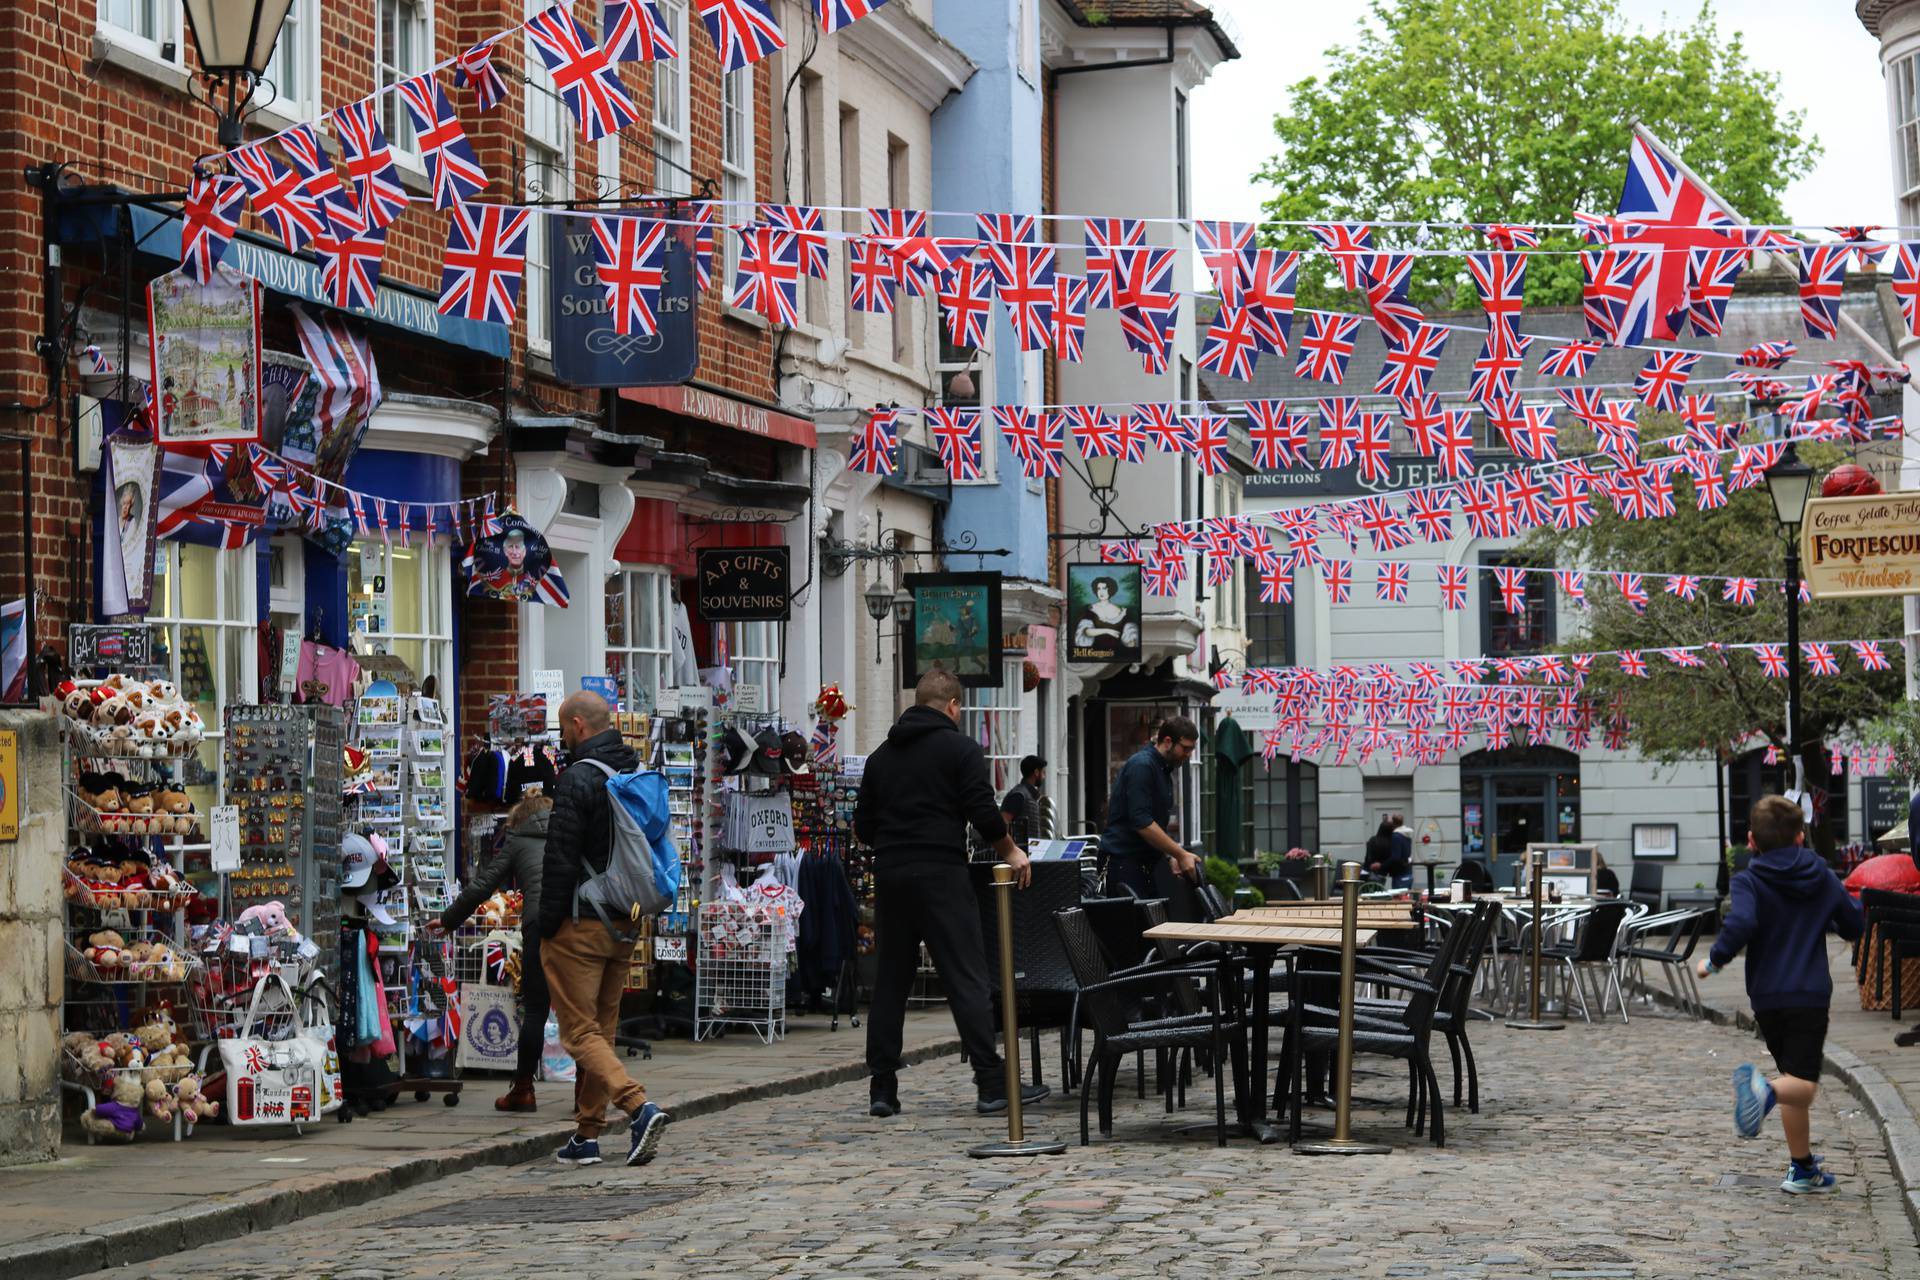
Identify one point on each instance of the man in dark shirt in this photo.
(1021, 807)
(1140, 855)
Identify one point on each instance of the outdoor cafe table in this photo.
(1262, 939)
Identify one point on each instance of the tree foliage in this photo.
(1518, 111)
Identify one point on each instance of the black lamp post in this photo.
(235, 40)
(1789, 483)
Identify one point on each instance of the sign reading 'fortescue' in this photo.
(745, 584)
(1867, 546)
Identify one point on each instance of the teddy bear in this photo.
(123, 1050)
(158, 1097)
(140, 816)
(76, 702)
(107, 952)
(267, 918)
(83, 1055)
(196, 1104)
(177, 806)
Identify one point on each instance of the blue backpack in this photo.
(642, 878)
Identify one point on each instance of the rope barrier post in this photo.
(1343, 1143)
(1321, 864)
(1017, 1143)
(1537, 864)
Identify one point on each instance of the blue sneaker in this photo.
(1807, 1180)
(579, 1150)
(1752, 1099)
(649, 1123)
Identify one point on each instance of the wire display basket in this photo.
(740, 970)
(487, 955)
(222, 987)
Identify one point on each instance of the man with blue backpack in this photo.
(608, 865)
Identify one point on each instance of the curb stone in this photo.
(141, 1239)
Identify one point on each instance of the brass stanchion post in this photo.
(1017, 1143)
(1343, 1143)
(1321, 865)
(1536, 865)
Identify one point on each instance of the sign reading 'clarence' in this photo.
(745, 584)
(1866, 546)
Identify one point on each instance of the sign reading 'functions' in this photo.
(1866, 546)
(1307, 481)
(745, 584)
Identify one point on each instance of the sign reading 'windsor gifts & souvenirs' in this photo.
(1868, 546)
(587, 350)
(745, 584)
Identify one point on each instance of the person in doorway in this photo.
(1020, 808)
(1390, 852)
(586, 962)
(1141, 856)
(922, 787)
(1779, 912)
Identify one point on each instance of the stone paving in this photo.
(1603, 1151)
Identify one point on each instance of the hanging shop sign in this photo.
(745, 584)
(1104, 606)
(1345, 482)
(588, 350)
(726, 411)
(132, 477)
(204, 341)
(1851, 547)
(955, 628)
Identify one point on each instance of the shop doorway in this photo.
(1515, 797)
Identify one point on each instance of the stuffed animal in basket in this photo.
(84, 1057)
(193, 1101)
(106, 950)
(268, 919)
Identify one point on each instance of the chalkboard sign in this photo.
(745, 584)
(1886, 803)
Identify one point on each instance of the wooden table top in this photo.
(1372, 916)
(1260, 934)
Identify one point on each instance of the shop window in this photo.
(400, 602)
(205, 622)
(1903, 82)
(736, 157)
(754, 654)
(1182, 165)
(1514, 797)
(295, 67)
(151, 24)
(1272, 629)
(403, 49)
(670, 112)
(1750, 778)
(1528, 629)
(991, 717)
(1283, 807)
(639, 634)
(548, 176)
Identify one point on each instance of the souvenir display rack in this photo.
(283, 766)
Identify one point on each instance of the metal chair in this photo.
(1682, 930)
(1594, 945)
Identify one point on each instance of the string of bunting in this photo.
(317, 500)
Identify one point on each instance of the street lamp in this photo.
(879, 602)
(1789, 483)
(235, 40)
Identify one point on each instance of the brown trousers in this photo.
(586, 968)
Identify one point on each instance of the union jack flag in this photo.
(1389, 279)
(1698, 413)
(1572, 584)
(1526, 505)
(1070, 294)
(211, 217)
(809, 231)
(635, 31)
(350, 268)
(1453, 587)
(1372, 446)
(1616, 432)
(275, 193)
(1021, 428)
(1509, 236)
(769, 278)
(1163, 426)
(1432, 514)
(1143, 280)
(966, 300)
(486, 257)
(476, 69)
(1709, 484)
(1667, 210)
(321, 182)
(583, 74)
(1226, 248)
(1684, 585)
(1007, 229)
(1739, 590)
(1104, 236)
(1209, 436)
(1126, 552)
(1094, 432)
(1632, 664)
(1422, 418)
(835, 14)
(1164, 571)
(875, 275)
(1044, 458)
(1906, 282)
(1386, 528)
(1588, 403)
(1871, 658)
(631, 254)
(1533, 435)
(1453, 444)
(1233, 343)
(1326, 346)
(1279, 440)
(744, 31)
(451, 162)
(1339, 432)
(1767, 355)
(956, 437)
(1752, 462)
(1484, 504)
(1268, 296)
(1502, 355)
(1569, 360)
(370, 163)
(1132, 440)
(1663, 378)
(1337, 577)
(1024, 276)
(874, 447)
(1820, 659)
(1711, 274)
(1823, 271)
(1613, 281)
(1411, 362)
(1570, 499)
(1501, 279)
(894, 227)
(1513, 588)
(1632, 588)
(1345, 243)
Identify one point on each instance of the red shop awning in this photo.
(726, 411)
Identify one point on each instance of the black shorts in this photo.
(1795, 1038)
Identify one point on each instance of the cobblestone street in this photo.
(1600, 1151)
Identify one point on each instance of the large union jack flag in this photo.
(275, 193)
(631, 255)
(1661, 208)
(350, 268)
(966, 300)
(1613, 280)
(1663, 378)
(956, 437)
(582, 73)
(370, 163)
(635, 31)
(451, 162)
(211, 217)
(744, 31)
(1024, 276)
(769, 277)
(486, 258)
(835, 14)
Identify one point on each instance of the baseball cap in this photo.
(794, 752)
(770, 755)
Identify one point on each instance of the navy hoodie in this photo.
(1779, 909)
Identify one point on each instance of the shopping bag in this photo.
(318, 1018)
(271, 1081)
(489, 1028)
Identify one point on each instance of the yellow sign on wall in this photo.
(1862, 546)
(12, 790)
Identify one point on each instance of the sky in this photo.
(1829, 67)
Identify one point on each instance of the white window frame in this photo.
(393, 112)
(991, 716)
(738, 190)
(672, 108)
(144, 37)
(435, 636)
(299, 44)
(547, 173)
(1903, 85)
(1029, 38)
(652, 656)
(754, 656)
(236, 622)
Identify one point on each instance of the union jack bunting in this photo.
(1386, 528)
(1103, 236)
(1279, 439)
(1667, 209)
(1226, 248)
(1337, 577)
(1389, 280)
(809, 230)
(321, 181)
(894, 227)
(1513, 588)
(1823, 271)
(744, 31)
(376, 182)
(1271, 280)
(1861, 241)
(956, 437)
(1739, 590)
(1502, 355)
(1232, 343)
(1209, 435)
(1699, 415)
(769, 278)
(275, 193)
(1534, 436)
(1632, 664)
(486, 257)
(350, 268)
(1573, 585)
(1125, 552)
(1711, 274)
(1686, 658)
(875, 275)
(1663, 378)
(1569, 360)
(1043, 460)
(1390, 582)
(1684, 585)
(1143, 279)
(1588, 403)
(1632, 588)
(1751, 462)
(636, 31)
(1820, 659)
(1326, 346)
(631, 256)
(1613, 279)
(1163, 572)
(700, 216)
(835, 14)
(1453, 444)
(1431, 513)
(1906, 282)
(1767, 355)
(1024, 277)
(1007, 229)
(1163, 425)
(1453, 587)
(1022, 429)
(966, 300)
(1345, 243)
(1421, 416)
(1484, 504)
(1526, 500)
(1339, 432)
(1616, 432)
(1501, 280)
(476, 69)
(1411, 362)
(1871, 658)
(211, 216)
(451, 162)
(1709, 483)
(1132, 440)
(1070, 294)
(1509, 236)
(584, 76)
(1094, 432)
(875, 444)
(1373, 445)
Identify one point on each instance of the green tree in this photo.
(1517, 111)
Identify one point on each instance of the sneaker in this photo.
(648, 1124)
(1752, 1099)
(883, 1093)
(993, 1098)
(1807, 1180)
(579, 1150)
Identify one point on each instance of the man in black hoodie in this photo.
(586, 962)
(921, 789)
